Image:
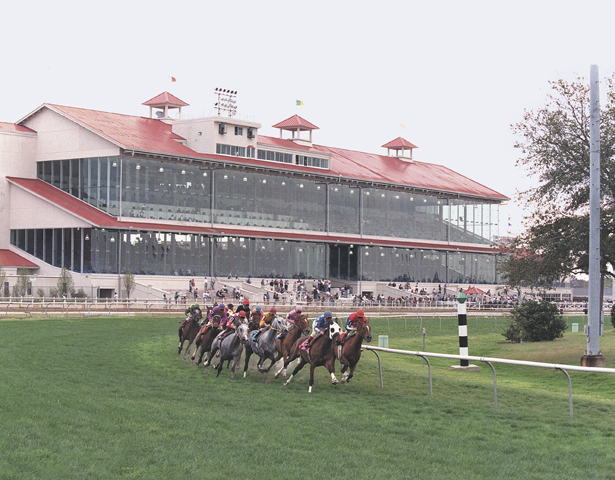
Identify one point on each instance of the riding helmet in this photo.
(360, 313)
(328, 314)
(246, 301)
(298, 308)
(273, 310)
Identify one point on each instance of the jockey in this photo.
(292, 316)
(194, 311)
(256, 315)
(321, 325)
(231, 324)
(352, 323)
(267, 319)
(245, 307)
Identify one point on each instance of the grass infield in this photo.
(106, 398)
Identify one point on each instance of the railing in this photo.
(489, 361)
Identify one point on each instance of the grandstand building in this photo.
(166, 197)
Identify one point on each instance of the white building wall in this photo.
(202, 134)
(17, 159)
(60, 138)
(29, 211)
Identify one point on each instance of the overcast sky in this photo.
(456, 74)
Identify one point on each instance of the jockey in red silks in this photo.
(352, 323)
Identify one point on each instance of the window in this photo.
(275, 156)
(312, 161)
(239, 131)
(222, 128)
(251, 132)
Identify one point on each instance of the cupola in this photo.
(164, 102)
(296, 125)
(401, 147)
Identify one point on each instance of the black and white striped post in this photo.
(462, 319)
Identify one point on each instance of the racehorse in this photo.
(188, 331)
(230, 348)
(204, 340)
(263, 345)
(296, 329)
(349, 353)
(320, 354)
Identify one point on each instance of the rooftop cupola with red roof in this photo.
(164, 102)
(402, 148)
(296, 125)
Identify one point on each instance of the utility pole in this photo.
(593, 356)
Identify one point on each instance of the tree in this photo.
(129, 282)
(554, 143)
(66, 285)
(2, 281)
(535, 322)
(23, 284)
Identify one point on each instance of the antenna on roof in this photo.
(160, 114)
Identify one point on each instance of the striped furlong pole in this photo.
(462, 318)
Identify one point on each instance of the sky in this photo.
(456, 74)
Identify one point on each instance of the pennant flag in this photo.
(403, 126)
(173, 79)
(299, 102)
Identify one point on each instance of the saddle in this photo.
(254, 335)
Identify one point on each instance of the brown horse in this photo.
(205, 337)
(321, 354)
(295, 331)
(349, 353)
(188, 330)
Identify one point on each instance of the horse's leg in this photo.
(300, 364)
(351, 373)
(312, 368)
(331, 367)
(248, 355)
(198, 342)
(210, 355)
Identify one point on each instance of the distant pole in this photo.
(462, 319)
(593, 355)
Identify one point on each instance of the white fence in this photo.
(489, 361)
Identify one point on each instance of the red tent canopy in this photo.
(474, 291)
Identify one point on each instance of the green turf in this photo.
(105, 398)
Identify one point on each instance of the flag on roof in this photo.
(299, 102)
(403, 126)
(173, 79)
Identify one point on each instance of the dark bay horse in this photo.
(205, 338)
(295, 331)
(188, 330)
(264, 346)
(230, 348)
(321, 354)
(349, 354)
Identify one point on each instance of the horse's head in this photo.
(302, 324)
(334, 330)
(242, 332)
(365, 330)
(215, 320)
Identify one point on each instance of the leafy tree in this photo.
(535, 322)
(2, 280)
(554, 143)
(65, 285)
(23, 284)
(129, 282)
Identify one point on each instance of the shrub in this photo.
(535, 322)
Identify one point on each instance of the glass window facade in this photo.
(164, 190)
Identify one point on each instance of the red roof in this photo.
(14, 127)
(152, 135)
(165, 98)
(129, 132)
(98, 218)
(399, 143)
(295, 122)
(11, 259)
